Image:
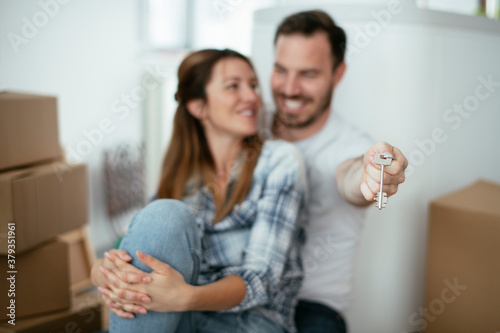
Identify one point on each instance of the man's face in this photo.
(302, 80)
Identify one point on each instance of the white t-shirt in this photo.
(334, 226)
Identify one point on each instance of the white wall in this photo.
(225, 23)
(400, 83)
(467, 7)
(86, 54)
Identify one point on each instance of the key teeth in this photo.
(384, 200)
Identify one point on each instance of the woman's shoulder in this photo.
(280, 149)
(280, 152)
(280, 159)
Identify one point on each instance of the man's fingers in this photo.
(390, 189)
(397, 166)
(389, 179)
(393, 173)
(367, 193)
(373, 185)
(373, 172)
(383, 148)
(400, 157)
(395, 170)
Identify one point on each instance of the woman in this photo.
(226, 257)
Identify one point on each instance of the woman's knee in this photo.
(163, 217)
(156, 225)
(169, 207)
(165, 229)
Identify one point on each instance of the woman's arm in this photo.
(169, 292)
(223, 294)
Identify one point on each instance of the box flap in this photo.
(482, 196)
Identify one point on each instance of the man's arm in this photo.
(358, 179)
(348, 179)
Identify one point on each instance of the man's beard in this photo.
(288, 121)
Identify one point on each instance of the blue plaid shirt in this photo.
(260, 239)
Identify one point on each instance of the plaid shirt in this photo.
(260, 239)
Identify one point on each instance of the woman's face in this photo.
(233, 103)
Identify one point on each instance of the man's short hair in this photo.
(309, 22)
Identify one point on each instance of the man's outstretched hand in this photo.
(394, 174)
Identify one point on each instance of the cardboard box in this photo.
(81, 258)
(85, 316)
(37, 282)
(43, 201)
(463, 265)
(28, 129)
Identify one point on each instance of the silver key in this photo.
(382, 160)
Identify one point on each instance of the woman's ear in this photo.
(197, 108)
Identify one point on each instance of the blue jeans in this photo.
(313, 317)
(166, 229)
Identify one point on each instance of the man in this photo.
(309, 64)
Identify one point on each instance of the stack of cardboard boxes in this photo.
(45, 253)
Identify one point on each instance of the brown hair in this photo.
(188, 156)
(309, 22)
